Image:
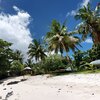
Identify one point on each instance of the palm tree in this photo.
(90, 22)
(17, 55)
(36, 50)
(29, 63)
(59, 39)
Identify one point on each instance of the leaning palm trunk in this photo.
(96, 37)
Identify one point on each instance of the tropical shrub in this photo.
(16, 68)
(50, 64)
(5, 57)
(94, 53)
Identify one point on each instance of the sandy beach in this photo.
(43, 87)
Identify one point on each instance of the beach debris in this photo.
(69, 91)
(3, 84)
(9, 94)
(23, 80)
(92, 93)
(11, 88)
(48, 76)
(13, 82)
(4, 89)
(59, 90)
(70, 86)
(0, 97)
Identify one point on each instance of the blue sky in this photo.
(42, 12)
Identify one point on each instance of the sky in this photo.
(23, 20)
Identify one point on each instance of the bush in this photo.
(50, 64)
(37, 69)
(16, 67)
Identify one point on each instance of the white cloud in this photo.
(73, 12)
(84, 3)
(88, 40)
(14, 29)
(16, 8)
(42, 37)
(52, 53)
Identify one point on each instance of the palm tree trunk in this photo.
(67, 56)
(96, 37)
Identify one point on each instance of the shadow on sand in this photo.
(16, 82)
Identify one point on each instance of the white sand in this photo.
(67, 87)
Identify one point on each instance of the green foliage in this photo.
(5, 56)
(8, 57)
(78, 59)
(90, 22)
(16, 67)
(17, 55)
(36, 50)
(82, 59)
(38, 69)
(86, 66)
(29, 63)
(94, 53)
(50, 64)
(59, 39)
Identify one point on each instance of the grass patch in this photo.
(62, 73)
(76, 72)
(87, 71)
